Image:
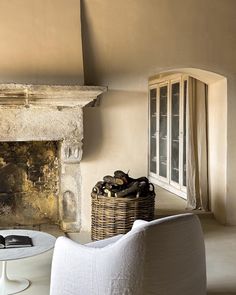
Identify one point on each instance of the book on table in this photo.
(15, 241)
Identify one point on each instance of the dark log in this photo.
(113, 180)
(98, 188)
(142, 179)
(108, 192)
(122, 175)
(121, 185)
(127, 179)
(143, 189)
(132, 188)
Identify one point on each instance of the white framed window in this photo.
(167, 133)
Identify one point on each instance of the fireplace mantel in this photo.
(51, 113)
(48, 95)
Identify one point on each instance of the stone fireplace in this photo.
(40, 153)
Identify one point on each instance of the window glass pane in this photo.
(184, 133)
(175, 96)
(153, 130)
(163, 132)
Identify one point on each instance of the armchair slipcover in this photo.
(162, 257)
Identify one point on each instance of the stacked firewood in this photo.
(121, 185)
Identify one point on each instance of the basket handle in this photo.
(151, 187)
(96, 190)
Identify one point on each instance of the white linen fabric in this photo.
(197, 167)
(162, 257)
(103, 243)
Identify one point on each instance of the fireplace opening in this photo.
(29, 183)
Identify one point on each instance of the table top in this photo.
(42, 242)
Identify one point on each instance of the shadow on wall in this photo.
(93, 133)
(117, 126)
(89, 54)
(52, 78)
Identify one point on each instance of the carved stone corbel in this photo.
(71, 152)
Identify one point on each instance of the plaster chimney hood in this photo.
(48, 95)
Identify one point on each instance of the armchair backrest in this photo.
(162, 257)
(174, 262)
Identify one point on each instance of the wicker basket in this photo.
(112, 216)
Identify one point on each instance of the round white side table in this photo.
(42, 242)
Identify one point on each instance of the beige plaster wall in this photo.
(40, 41)
(125, 42)
(217, 144)
(115, 137)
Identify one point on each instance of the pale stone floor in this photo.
(220, 254)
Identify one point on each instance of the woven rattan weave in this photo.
(112, 216)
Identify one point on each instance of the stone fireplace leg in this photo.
(70, 186)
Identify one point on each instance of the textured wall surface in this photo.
(40, 124)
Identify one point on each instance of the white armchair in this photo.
(162, 257)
